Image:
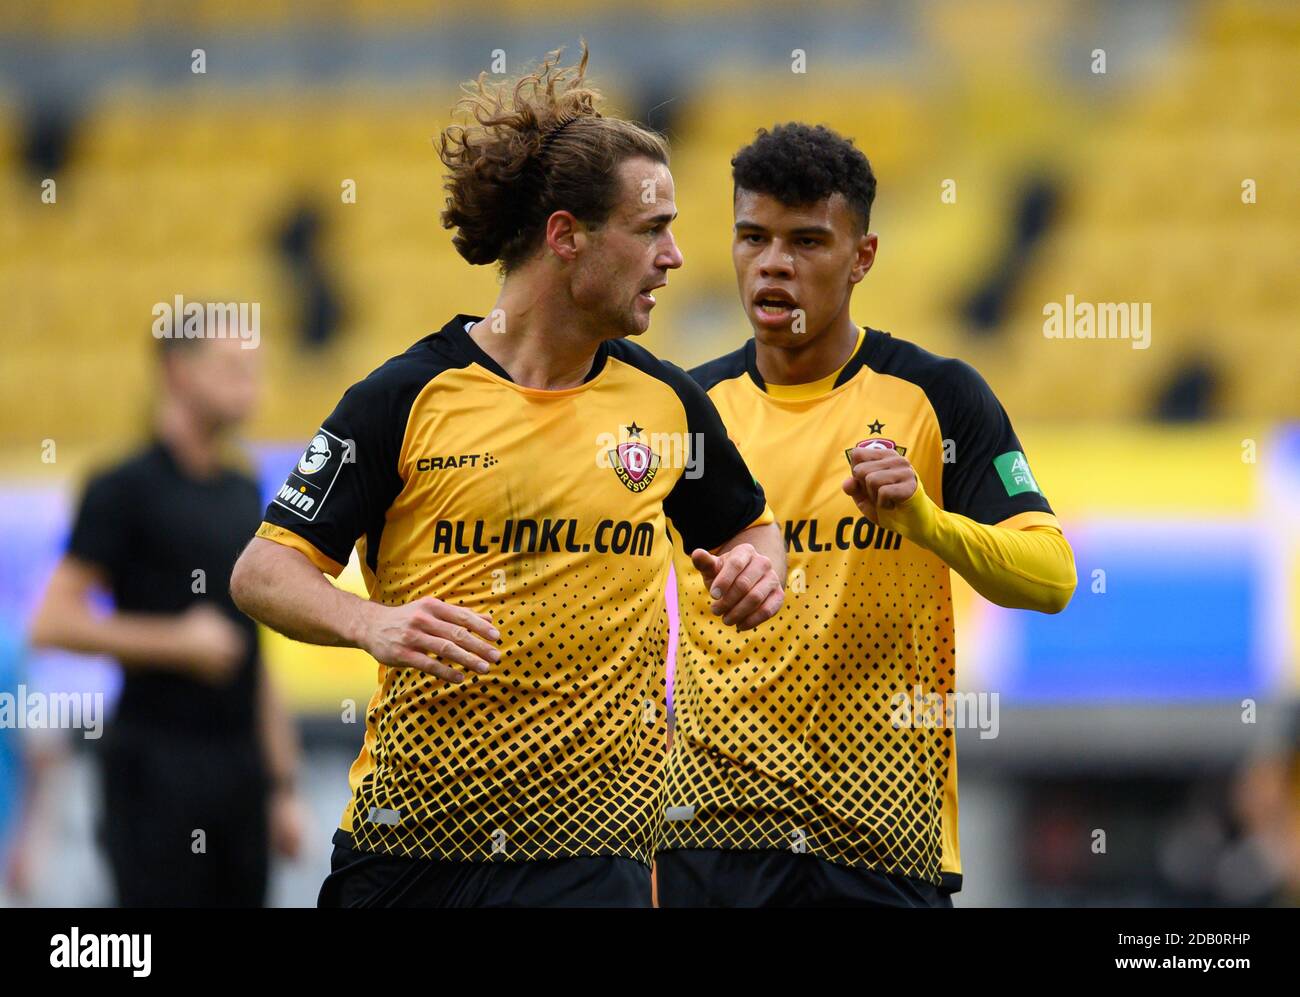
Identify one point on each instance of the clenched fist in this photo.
(882, 479)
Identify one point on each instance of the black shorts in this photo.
(365, 879)
(716, 878)
(184, 820)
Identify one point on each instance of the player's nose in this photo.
(671, 258)
(775, 261)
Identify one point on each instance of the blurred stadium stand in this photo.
(166, 189)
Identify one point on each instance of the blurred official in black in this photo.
(199, 761)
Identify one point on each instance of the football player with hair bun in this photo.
(507, 483)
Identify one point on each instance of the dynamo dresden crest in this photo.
(874, 443)
(635, 464)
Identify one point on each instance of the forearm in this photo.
(765, 539)
(279, 739)
(1019, 569)
(280, 587)
(138, 640)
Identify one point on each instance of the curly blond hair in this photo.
(531, 147)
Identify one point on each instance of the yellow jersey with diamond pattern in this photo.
(803, 734)
(546, 510)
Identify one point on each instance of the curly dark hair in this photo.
(801, 164)
(532, 146)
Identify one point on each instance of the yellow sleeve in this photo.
(1027, 568)
(327, 564)
(765, 518)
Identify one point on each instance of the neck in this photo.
(820, 357)
(538, 335)
(195, 446)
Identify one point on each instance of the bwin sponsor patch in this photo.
(310, 482)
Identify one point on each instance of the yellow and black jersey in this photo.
(799, 734)
(546, 510)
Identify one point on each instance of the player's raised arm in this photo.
(995, 528)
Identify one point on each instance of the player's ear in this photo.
(564, 235)
(864, 257)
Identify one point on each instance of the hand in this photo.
(210, 643)
(745, 588)
(418, 634)
(882, 479)
(288, 820)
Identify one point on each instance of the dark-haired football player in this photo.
(813, 760)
